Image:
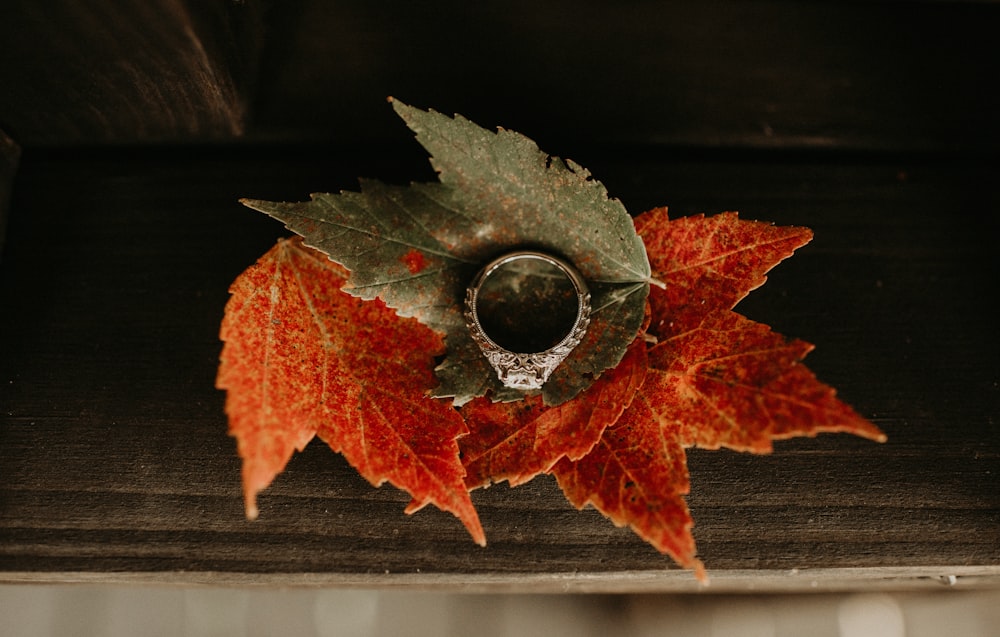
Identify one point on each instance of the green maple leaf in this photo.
(416, 247)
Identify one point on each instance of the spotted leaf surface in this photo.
(417, 247)
(302, 359)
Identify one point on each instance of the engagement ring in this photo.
(526, 311)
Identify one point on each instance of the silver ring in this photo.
(529, 370)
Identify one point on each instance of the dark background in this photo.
(130, 128)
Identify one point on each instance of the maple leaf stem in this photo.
(658, 283)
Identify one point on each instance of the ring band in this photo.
(527, 371)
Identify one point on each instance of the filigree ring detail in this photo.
(526, 371)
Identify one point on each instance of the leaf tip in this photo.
(475, 529)
(250, 505)
(253, 204)
(700, 573)
(474, 526)
(405, 111)
(877, 435)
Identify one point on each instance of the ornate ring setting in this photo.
(526, 311)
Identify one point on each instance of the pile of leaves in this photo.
(339, 335)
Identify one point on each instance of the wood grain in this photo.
(116, 464)
(125, 71)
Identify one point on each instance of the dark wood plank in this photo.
(116, 464)
(767, 73)
(126, 71)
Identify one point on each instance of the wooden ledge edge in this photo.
(826, 580)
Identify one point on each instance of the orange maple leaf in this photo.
(301, 358)
(714, 379)
(637, 475)
(709, 263)
(731, 382)
(727, 380)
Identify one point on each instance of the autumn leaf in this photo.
(515, 192)
(515, 441)
(417, 247)
(714, 379)
(731, 382)
(301, 359)
(636, 475)
(741, 384)
(709, 263)
(393, 240)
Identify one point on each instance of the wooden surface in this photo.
(870, 122)
(116, 464)
(125, 71)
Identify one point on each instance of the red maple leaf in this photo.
(731, 382)
(736, 383)
(714, 379)
(708, 263)
(637, 475)
(301, 358)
